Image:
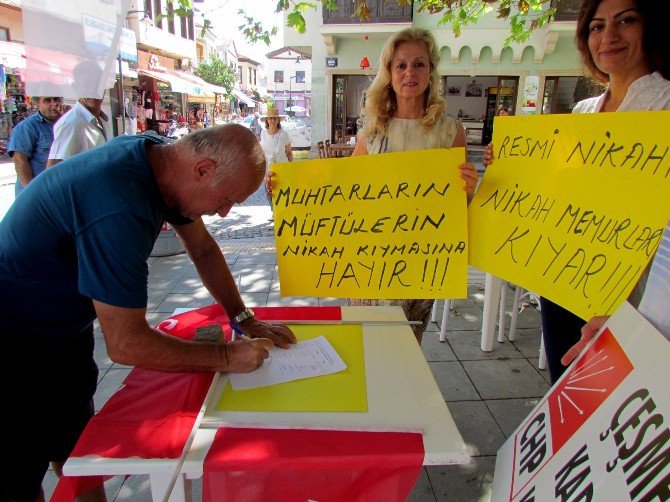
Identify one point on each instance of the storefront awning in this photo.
(177, 83)
(245, 99)
(209, 88)
(12, 55)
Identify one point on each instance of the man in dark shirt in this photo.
(75, 246)
(31, 140)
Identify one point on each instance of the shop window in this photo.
(191, 28)
(299, 77)
(170, 18)
(279, 77)
(4, 34)
(184, 23)
(148, 9)
(157, 11)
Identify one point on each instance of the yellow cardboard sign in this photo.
(574, 206)
(343, 391)
(374, 226)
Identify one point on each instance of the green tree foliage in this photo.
(218, 73)
(523, 16)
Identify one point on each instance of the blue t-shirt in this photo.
(82, 230)
(32, 137)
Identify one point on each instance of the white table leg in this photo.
(501, 317)
(160, 483)
(491, 298)
(433, 312)
(515, 313)
(542, 362)
(445, 319)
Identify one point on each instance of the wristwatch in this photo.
(244, 315)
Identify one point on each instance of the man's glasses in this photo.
(52, 100)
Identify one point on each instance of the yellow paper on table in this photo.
(343, 391)
(574, 206)
(374, 226)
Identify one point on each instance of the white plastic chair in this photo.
(519, 295)
(445, 318)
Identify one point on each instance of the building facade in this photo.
(479, 72)
(289, 75)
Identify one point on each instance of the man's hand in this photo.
(589, 330)
(247, 355)
(278, 333)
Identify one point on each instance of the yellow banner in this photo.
(375, 226)
(343, 391)
(574, 206)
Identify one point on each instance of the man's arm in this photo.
(23, 168)
(216, 276)
(131, 341)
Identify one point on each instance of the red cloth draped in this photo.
(153, 414)
(184, 325)
(288, 465)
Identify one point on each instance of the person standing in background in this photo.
(82, 128)
(275, 142)
(31, 140)
(131, 115)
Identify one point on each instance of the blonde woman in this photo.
(404, 111)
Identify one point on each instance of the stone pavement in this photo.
(488, 394)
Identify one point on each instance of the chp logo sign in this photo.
(601, 433)
(588, 384)
(572, 401)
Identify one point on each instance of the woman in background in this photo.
(275, 142)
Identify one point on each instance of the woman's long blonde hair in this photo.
(380, 98)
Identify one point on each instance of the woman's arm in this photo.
(289, 151)
(360, 148)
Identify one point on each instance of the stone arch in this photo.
(486, 53)
(464, 54)
(528, 54)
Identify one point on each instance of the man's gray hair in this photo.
(230, 146)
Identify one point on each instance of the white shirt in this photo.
(78, 131)
(274, 146)
(651, 92)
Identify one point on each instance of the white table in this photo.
(402, 396)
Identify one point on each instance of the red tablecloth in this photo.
(153, 414)
(251, 465)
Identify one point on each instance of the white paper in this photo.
(307, 359)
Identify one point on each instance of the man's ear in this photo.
(204, 169)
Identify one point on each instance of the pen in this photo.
(236, 330)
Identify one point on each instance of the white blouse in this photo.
(651, 92)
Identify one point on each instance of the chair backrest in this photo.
(321, 149)
(327, 145)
